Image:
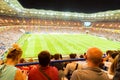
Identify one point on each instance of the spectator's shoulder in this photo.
(77, 75)
(79, 71)
(54, 68)
(34, 68)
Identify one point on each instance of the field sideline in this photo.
(65, 44)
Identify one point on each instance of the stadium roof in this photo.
(14, 8)
(81, 6)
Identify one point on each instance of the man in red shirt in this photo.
(43, 71)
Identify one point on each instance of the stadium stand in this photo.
(15, 21)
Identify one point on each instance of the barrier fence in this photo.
(54, 61)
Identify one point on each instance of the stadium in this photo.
(28, 23)
(61, 32)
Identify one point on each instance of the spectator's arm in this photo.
(20, 76)
(66, 69)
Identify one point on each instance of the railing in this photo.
(55, 61)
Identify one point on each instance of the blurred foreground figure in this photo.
(43, 71)
(117, 71)
(92, 72)
(8, 71)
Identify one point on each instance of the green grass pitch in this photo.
(65, 44)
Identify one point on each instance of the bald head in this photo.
(94, 55)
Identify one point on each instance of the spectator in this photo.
(1, 62)
(8, 71)
(30, 60)
(81, 56)
(71, 66)
(59, 66)
(51, 57)
(84, 56)
(117, 71)
(113, 66)
(23, 68)
(92, 72)
(72, 55)
(108, 53)
(22, 60)
(111, 59)
(43, 71)
(61, 56)
(113, 55)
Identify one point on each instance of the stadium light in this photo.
(66, 14)
(116, 17)
(6, 0)
(107, 14)
(43, 13)
(51, 13)
(10, 10)
(1, 11)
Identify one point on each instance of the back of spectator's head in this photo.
(61, 56)
(57, 56)
(44, 58)
(51, 56)
(72, 55)
(114, 55)
(14, 53)
(84, 55)
(22, 60)
(94, 55)
(109, 52)
(81, 56)
(114, 65)
(30, 60)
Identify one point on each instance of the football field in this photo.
(65, 44)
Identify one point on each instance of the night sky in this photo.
(86, 6)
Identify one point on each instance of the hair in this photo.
(57, 56)
(109, 52)
(61, 56)
(94, 55)
(22, 60)
(84, 53)
(72, 55)
(114, 65)
(44, 58)
(81, 56)
(114, 54)
(51, 56)
(30, 60)
(15, 52)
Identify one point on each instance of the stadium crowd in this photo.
(7, 38)
(97, 65)
(103, 67)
